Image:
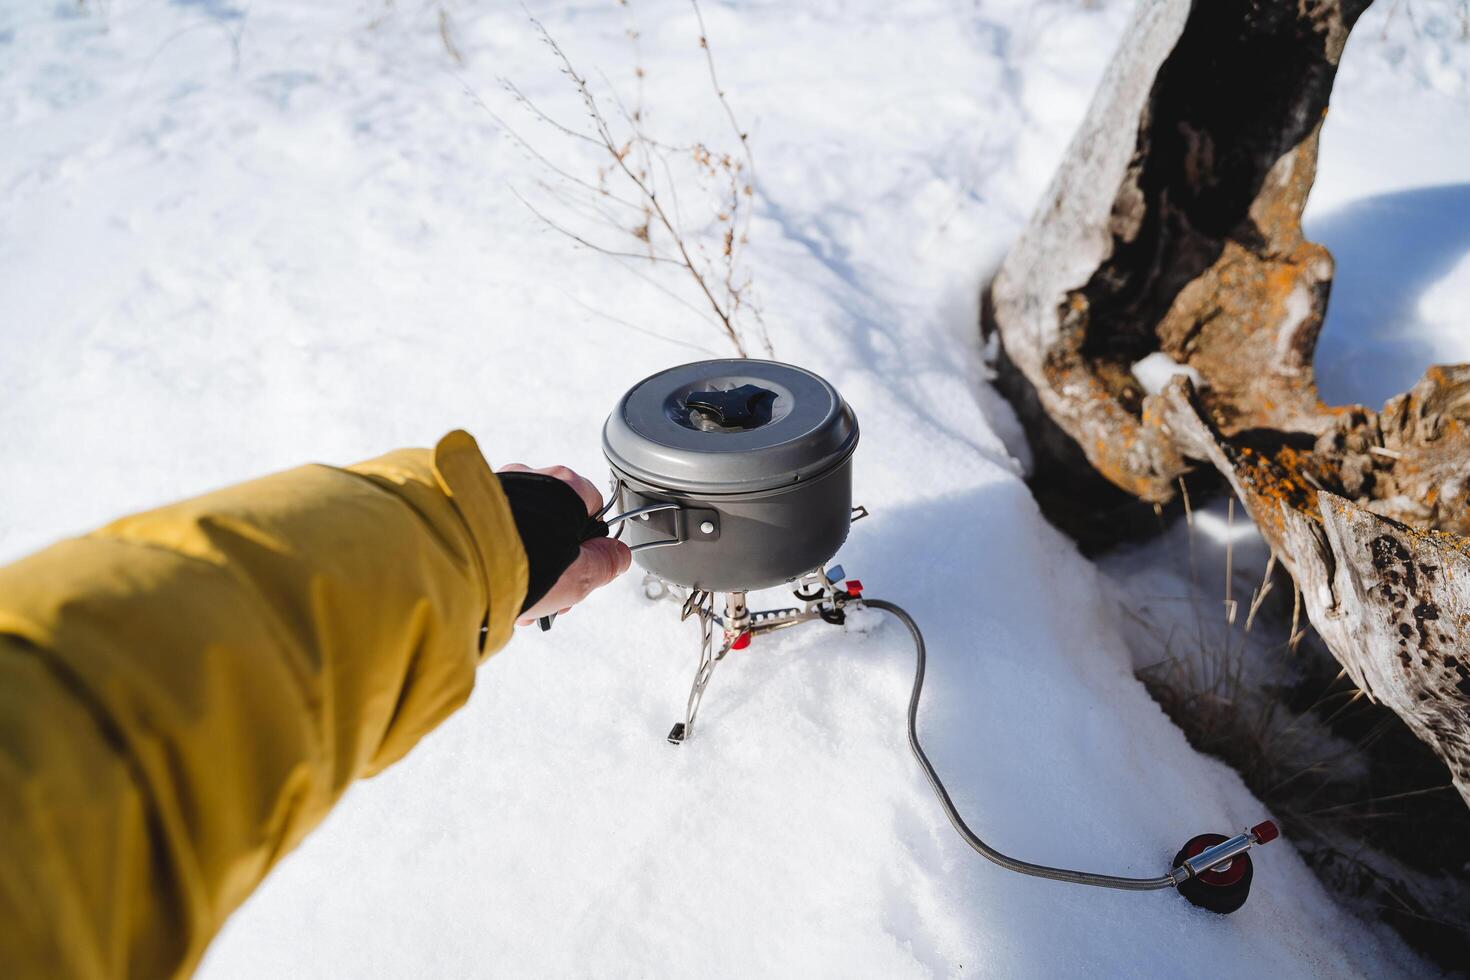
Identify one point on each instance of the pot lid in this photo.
(729, 426)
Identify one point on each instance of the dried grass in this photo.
(1367, 806)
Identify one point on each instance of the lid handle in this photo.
(738, 408)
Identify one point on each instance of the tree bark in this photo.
(1173, 227)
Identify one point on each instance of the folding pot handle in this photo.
(640, 511)
(598, 525)
(643, 512)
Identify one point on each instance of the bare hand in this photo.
(600, 561)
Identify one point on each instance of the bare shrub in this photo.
(641, 203)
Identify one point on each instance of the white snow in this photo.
(1154, 371)
(237, 237)
(1392, 203)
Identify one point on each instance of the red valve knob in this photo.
(854, 587)
(741, 642)
(1265, 832)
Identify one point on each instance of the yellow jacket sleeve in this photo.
(185, 693)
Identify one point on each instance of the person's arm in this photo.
(185, 693)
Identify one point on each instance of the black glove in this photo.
(552, 521)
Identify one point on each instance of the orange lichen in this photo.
(1281, 280)
(1272, 478)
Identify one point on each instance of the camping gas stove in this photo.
(736, 475)
(824, 597)
(740, 475)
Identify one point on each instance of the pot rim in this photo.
(625, 475)
(644, 439)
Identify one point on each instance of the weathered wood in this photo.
(1174, 226)
(1391, 601)
(1410, 461)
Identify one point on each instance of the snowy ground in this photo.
(1392, 203)
(237, 237)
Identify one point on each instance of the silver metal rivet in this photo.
(708, 527)
(643, 517)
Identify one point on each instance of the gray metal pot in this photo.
(752, 461)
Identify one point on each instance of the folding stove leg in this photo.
(701, 604)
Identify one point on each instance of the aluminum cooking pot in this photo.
(751, 464)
